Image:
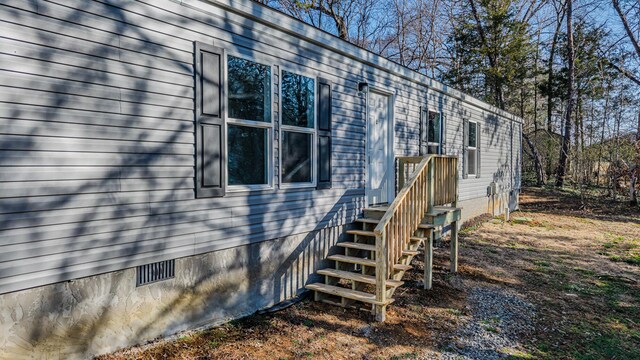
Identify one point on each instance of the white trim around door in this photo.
(379, 149)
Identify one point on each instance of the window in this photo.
(472, 148)
(248, 155)
(298, 131)
(249, 123)
(434, 132)
(234, 132)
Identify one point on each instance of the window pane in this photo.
(248, 155)
(472, 134)
(296, 157)
(434, 127)
(471, 162)
(249, 90)
(297, 100)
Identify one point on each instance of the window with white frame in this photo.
(249, 124)
(434, 132)
(472, 148)
(298, 129)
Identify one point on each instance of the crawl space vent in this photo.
(150, 273)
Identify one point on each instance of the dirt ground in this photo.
(575, 268)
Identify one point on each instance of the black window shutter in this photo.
(465, 148)
(211, 159)
(324, 134)
(478, 151)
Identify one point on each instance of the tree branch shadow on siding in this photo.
(105, 171)
(68, 134)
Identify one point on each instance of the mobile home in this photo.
(167, 165)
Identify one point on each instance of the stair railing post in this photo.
(381, 275)
(455, 187)
(431, 184)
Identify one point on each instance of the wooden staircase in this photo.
(368, 269)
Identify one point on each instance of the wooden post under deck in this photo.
(428, 262)
(454, 247)
(454, 228)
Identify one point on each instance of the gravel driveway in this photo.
(498, 319)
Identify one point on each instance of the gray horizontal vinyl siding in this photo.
(97, 134)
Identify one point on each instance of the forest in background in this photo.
(569, 68)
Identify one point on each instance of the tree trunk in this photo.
(615, 163)
(579, 135)
(566, 141)
(550, 93)
(537, 160)
(635, 171)
(535, 87)
(604, 124)
(627, 28)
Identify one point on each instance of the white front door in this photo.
(380, 178)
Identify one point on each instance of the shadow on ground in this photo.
(566, 261)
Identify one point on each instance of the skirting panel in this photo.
(99, 314)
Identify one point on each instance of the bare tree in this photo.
(627, 28)
(566, 141)
(344, 16)
(634, 42)
(635, 171)
(560, 13)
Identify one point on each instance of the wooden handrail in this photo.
(431, 175)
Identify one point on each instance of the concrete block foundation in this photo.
(99, 314)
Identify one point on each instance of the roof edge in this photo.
(292, 26)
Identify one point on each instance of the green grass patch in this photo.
(591, 341)
(618, 248)
(633, 260)
(586, 272)
(469, 229)
(521, 220)
(519, 355)
(185, 338)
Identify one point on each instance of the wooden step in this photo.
(436, 211)
(402, 267)
(375, 212)
(361, 233)
(346, 293)
(352, 260)
(426, 226)
(352, 245)
(410, 252)
(367, 279)
(368, 220)
(382, 208)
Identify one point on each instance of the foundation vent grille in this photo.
(150, 273)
